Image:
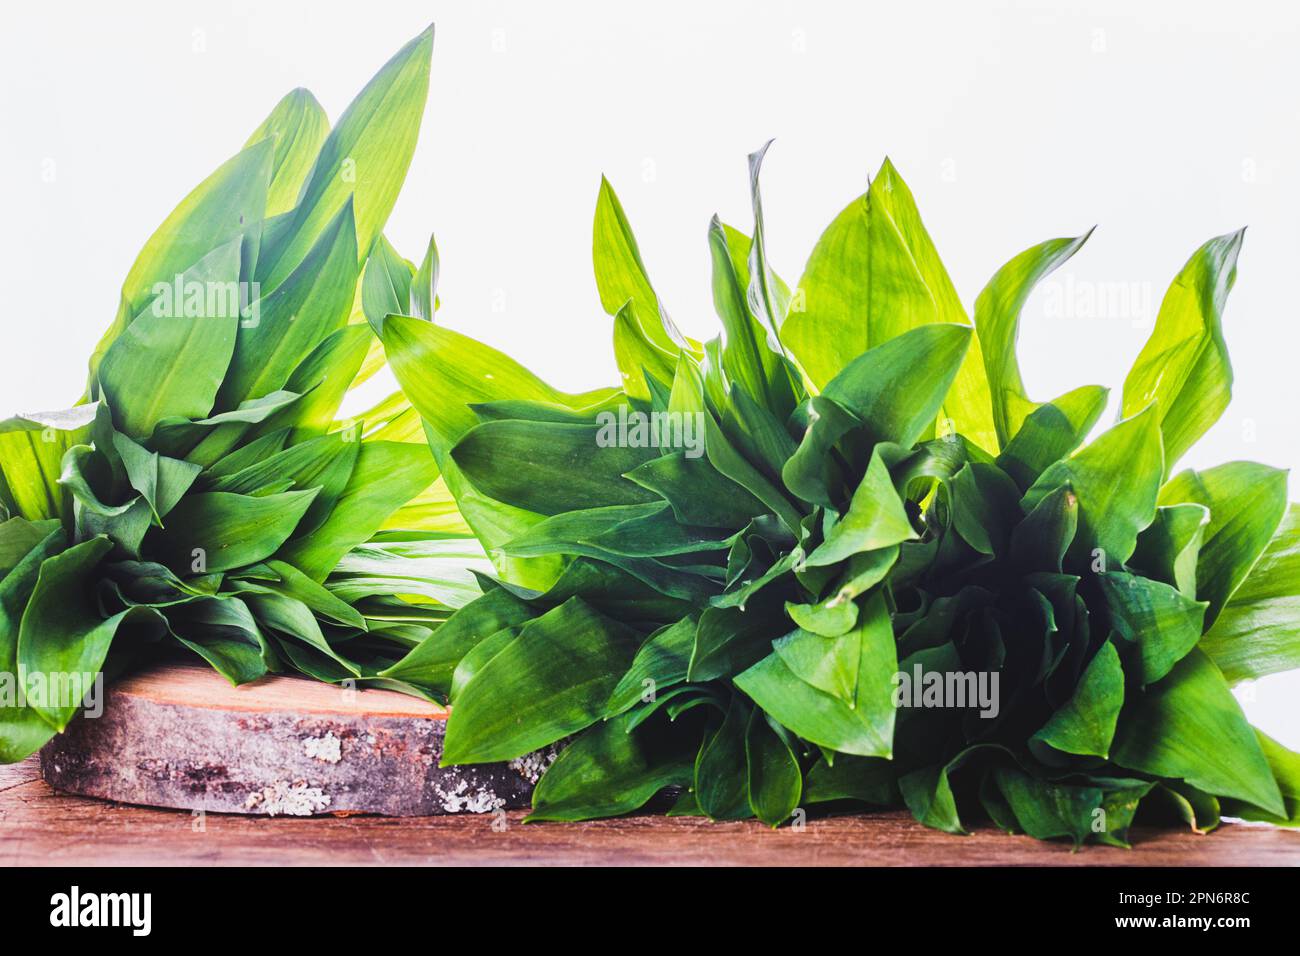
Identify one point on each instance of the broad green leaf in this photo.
(301, 312)
(1184, 365)
(775, 780)
(162, 481)
(1051, 432)
(364, 159)
(1285, 765)
(640, 361)
(997, 321)
(1041, 541)
(1161, 622)
(720, 786)
(225, 634)
(610, 770)
(218, 531)
(1256, 632)
(433, 662)
(1190, 727)
(550, 468)
(1168, 549)
(621, 276)
(386, 284)
(873, 275)
(1116, 480)
(322, 378)
(63, 638)
(1046, 810)
(897, 388)
(297, 127)
(552, 680)
(444, 373)
(23, 730)
(865, 729)
(1085, 724)
(1247, 502)
(985, 507)
(386, 475)
(18, 537)
(170, 362)
(219, 211)
(876, 519)
(32, 446)
(698, 492)
(661, 662)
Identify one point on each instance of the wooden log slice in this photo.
(178, 735)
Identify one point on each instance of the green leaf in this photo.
(434, 660)
(720, 788)
(32, 446)
(1247, 502)
(550, 681)
(750, 364)
(1190, 727)
(661, 662)
(698, 492)
(876, 519)
(445, 373)
(225, 634)
(386, 476)
(1184, 365)
(1051, 432)
(424, 288)
(160, 480)
(1162, 622)
(1046, 810)
(611, 769)
(23, 730)
(1169, 548)
(218, 531)
(218, 212)
(997, 320)
(874, 275)
(364, 159)
(866, 728)
(550, 468)
(1285, 765)
(621, 277)
(297, 127)
(386, 285)
(1041, 540)
(775, 780)
(1256, 633)
(170, 362)
(301, 312)
(63, 638)
(1085, 724)
(1116, 480)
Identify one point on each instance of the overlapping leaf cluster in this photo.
(202, 492)
(877, 496)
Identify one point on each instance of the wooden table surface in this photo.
(40, 827)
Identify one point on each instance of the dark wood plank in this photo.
(39, 827)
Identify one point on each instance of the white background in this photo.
(1165, 123)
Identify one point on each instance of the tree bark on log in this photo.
(178, 735)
